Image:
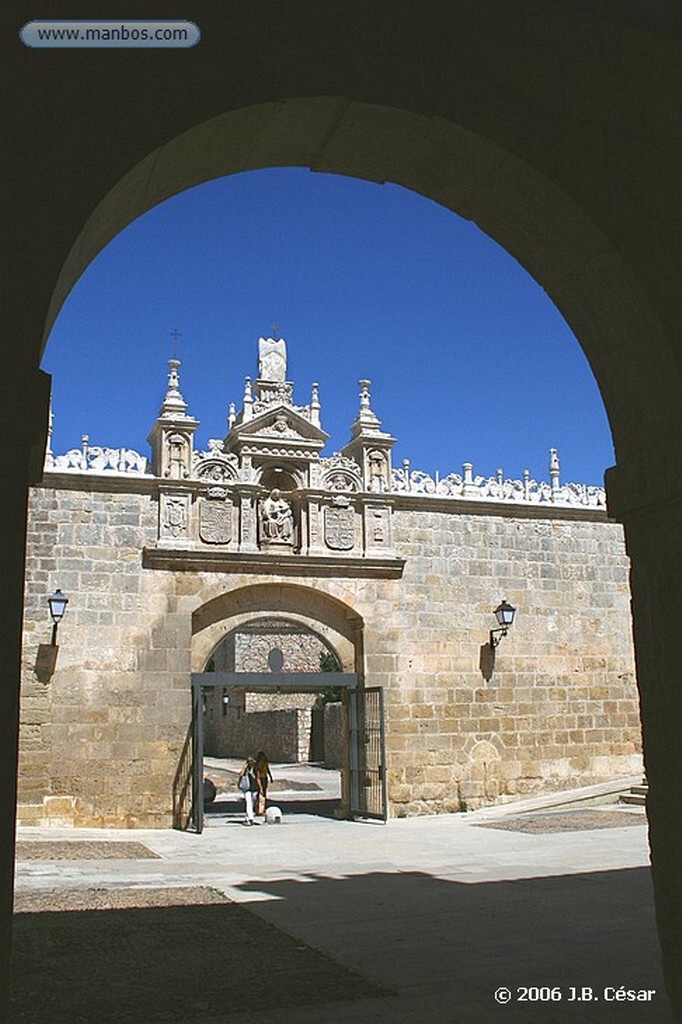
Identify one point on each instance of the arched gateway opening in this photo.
(280, 668)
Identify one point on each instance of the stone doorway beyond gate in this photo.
(292, 727)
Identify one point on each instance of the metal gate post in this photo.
(197, 758)
(354, 753)
(382, 766)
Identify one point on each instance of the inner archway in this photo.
(302, 732)
(290, 676)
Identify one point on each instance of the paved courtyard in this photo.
(422, 919)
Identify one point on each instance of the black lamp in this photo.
(57, 605)
(504, 613)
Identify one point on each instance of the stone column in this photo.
(26, 407)
(653, 535)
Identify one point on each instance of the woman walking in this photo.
(248, 785)
(263, 776)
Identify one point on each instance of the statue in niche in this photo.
(272, 359)
(177, 468)
(377, 471)
(277, 518)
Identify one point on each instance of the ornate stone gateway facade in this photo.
(396, 571)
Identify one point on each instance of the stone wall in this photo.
(289, 727)
(335, 740)
(283, 735)
(555, 707)
(101, 737)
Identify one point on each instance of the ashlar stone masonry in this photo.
(397, 572)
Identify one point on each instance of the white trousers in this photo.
(248, 800)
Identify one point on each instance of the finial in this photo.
(232, 416)
(366, 422)
(247, 401)
(554, 470)
(364, 393)
(314, 404)
(173, 404)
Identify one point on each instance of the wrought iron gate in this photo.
(367, 742)
(368, 754)
(188, 784)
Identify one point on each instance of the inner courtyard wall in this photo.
(553, 707)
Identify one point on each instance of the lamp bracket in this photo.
(494, 639)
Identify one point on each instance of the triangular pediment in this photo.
(278, 423)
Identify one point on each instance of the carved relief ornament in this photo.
(339, 525)
(174, 516)
(215, 517)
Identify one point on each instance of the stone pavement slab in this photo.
(437, 911)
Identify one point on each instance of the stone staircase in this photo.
(637, 794)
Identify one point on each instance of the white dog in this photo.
(273, 816)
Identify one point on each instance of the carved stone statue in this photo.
(272, 359)
(277, 519)
(377, 471)
(177, 457)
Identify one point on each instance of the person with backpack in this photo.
(248, 786)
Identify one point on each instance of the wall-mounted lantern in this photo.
(504, 613)
(57, 605)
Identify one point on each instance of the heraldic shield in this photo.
(215, 521)
(339, 528)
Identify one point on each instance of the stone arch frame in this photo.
(553, 237)
(282, 619)
(273, 466)
(336, 622)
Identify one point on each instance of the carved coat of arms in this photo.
(215, 521)
(339, 527)
(173, 516)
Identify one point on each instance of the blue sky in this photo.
(468, 357)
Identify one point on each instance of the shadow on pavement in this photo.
(423, 936)
(441, 946)
(234, 808)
